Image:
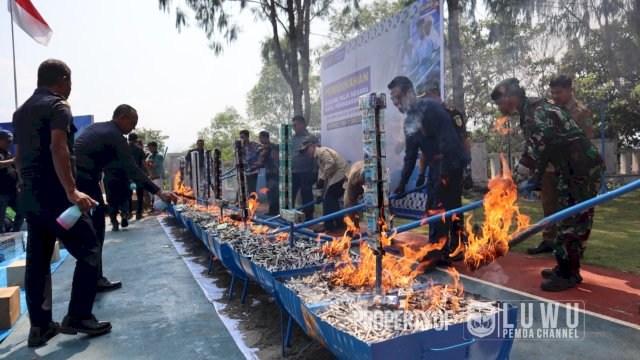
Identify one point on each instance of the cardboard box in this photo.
(15, 273)
(9, 306)
(55, 256)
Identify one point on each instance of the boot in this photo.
(549, 273)
(563, 279)
(543, 247)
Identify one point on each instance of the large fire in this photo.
(397, 271)
(501, 212)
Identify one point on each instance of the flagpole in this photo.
(13, 48)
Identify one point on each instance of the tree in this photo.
(223, 130)
(269, 102)
(586, 63)
(576, 20)
(290, 23)
(147, 135)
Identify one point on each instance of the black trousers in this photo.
(92, 189)
(118, 194)
(273, 193)
(303, 182)
(81, 242)
(139, 201)
(446, 195)
(252, 183)
(331, 204)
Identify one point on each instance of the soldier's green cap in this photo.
(508, 87)
(427, 87)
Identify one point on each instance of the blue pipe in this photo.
(228, 172)
(438, 217)
(302, 207)
(344, 212)
(431, 219)
(571, 211)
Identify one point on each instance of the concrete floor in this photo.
(160, 313)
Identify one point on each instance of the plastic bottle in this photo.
(160, 205)
(133, 186)
(69, 217)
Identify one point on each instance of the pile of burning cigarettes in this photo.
(343, 294)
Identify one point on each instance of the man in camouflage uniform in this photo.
(431, 89)
(562, 96)
(552, 137)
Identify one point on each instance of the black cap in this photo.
(507, 87)
(6, 135)
(306, 144)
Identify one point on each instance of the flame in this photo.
(397, 271)
(252, 203)
(281, 237)
(501, 212)
(264, 191)
(501, 128)
(180, 189)
(339, 247)
(440, 295)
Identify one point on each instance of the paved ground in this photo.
(160, 313)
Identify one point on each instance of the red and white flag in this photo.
(29, 19)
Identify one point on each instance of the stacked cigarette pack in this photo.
(286, 200)
(376, 186)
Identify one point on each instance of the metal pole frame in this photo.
(207, 157)
(13, 48)
(197, 158)
(242, 180)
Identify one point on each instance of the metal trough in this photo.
(456, 342)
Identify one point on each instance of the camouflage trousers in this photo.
(574, 231)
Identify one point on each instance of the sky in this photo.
(124, 51)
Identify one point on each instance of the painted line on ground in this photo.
(536, 297)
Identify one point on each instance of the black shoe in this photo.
(38, 336)
(124, 223)
(139, 216)
(92, 326)
(549, 273)
(115, 227)
(558, 283)
(541, 248)
(106, 285)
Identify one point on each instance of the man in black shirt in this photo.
(43, 137)
(101, 146)
(428, 128)
(138, 158)
(8, 185)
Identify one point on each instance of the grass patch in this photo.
(615, 238)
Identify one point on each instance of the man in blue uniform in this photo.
(428, 128)
(44, 155)
(102, 145)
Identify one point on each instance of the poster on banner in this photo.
(409, 43)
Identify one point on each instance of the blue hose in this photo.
(571, 211)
